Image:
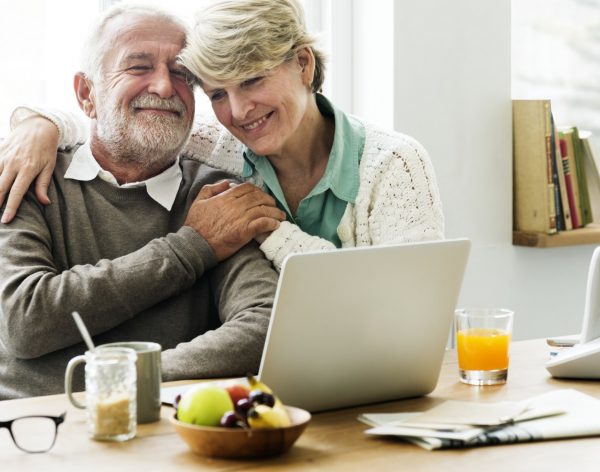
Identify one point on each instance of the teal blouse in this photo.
(320, 212)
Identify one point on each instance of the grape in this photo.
(176, 404)
(229, 419)
(262, 398)
(242, 407)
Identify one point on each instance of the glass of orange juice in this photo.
(482, 342)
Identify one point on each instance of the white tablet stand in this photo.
(582, 361)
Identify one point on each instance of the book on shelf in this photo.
(534, 191)
(591, 165)
(561, 198)
(564, 187)
(576, 163)
(570, 182)
(582, 178)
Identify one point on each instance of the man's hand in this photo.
(28, 153)
(260, 238)
(229, 217)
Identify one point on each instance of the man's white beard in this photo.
(148, 140)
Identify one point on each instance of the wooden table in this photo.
(333, 440)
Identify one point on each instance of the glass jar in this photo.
(110, 384)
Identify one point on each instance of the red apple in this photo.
(237, 392)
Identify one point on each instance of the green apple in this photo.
(204, 405)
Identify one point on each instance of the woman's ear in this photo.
(84, 90)
(306, 61)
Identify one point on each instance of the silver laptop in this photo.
(363, 325)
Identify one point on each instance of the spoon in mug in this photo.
(83, 330)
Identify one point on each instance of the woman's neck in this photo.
(304, 158)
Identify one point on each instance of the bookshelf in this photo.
(556, 180)
(588, 235)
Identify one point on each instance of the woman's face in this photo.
(266, 112)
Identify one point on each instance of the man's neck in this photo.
(123, 169)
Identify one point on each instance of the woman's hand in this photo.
(27, 154)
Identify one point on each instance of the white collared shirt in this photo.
(162, 188)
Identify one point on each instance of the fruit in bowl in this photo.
(237, 392)
(204, 405)
(257, 424)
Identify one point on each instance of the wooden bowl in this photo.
(238, 443)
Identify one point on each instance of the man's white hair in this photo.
(97, 42)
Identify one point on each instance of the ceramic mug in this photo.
(149, 377)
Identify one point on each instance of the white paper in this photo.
(471, 413)
(580, 413)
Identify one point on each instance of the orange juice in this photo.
(482, 349)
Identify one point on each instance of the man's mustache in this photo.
(174, 104)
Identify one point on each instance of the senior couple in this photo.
(156, 235)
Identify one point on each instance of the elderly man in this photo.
(133, 239)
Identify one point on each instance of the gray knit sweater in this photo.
(134, 273)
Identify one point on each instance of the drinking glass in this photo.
(482, 342)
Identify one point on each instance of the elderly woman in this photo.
(341, 182)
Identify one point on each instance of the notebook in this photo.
(362, 325)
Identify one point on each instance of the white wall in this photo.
(373, 64)
(451, 90)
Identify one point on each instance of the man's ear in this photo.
(306, 61)
(84, 90)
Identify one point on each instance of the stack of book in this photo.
(556, 178)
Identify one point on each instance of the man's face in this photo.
(144, 103)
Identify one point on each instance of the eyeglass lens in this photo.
(34, 434)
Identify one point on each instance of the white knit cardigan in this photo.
(398, 198)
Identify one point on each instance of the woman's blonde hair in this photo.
(233, 40)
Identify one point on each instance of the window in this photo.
(40, 43)
(556, 55)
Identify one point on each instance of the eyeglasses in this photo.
(34, 433)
